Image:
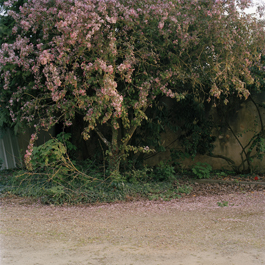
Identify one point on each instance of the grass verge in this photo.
(75, 190)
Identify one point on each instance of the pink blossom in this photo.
(161, 25)
(99, 58)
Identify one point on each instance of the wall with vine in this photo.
(226, 136)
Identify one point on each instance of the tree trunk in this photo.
(115, 153)
(114, 164)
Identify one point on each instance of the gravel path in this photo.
(191, 230)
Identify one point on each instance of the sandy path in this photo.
(185, 231)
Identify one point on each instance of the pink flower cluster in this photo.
(111, 94)
(215, 91)
(105, 59)
(27, 157)
(45, 57)
(100, 64)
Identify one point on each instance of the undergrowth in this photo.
(54, 178)
(90, 185)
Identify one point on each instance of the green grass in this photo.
(222, 204)
(80, 189)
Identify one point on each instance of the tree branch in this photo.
(260, 118)
(228, 160)
(101, 136)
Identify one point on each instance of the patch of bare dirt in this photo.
(190, 230)
(227, 187)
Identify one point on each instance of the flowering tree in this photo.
(109, 60)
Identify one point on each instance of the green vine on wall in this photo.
(255, 147)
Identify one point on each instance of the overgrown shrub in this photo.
(163, 172)
(82, 190)
(202, 170)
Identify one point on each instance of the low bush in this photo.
(202, 170)
(92, 188)
(55, 179)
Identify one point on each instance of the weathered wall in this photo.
(244, 121)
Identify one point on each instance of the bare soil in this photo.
(190, 230)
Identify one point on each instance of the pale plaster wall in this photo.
(242, 121)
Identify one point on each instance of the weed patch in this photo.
(222, 204)
(81, 188)
(202, 170)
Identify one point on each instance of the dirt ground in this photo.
(190, 230)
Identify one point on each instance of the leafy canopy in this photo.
(109, 60)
